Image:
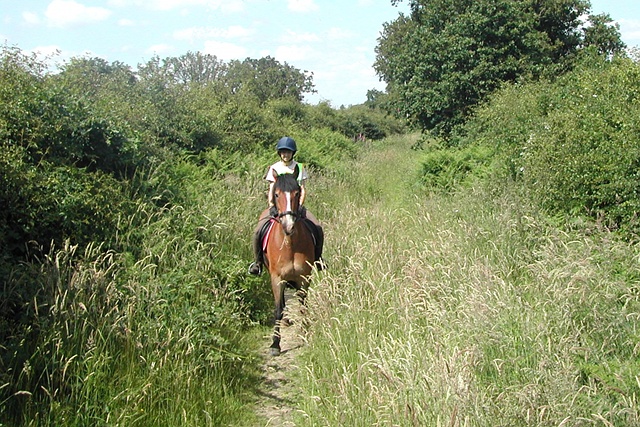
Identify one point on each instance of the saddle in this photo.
(268, 226)
(265, 231)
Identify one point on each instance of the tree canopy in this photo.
(448, 55)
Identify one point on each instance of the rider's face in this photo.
(286, 155)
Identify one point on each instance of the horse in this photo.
(290, 251)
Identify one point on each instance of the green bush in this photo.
(54, 203)
(447, 169)
(574, 141)
(372, 123)
(586, 157)
(323, 115)
(322, 148)
(128, 201)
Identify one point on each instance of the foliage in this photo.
(124, 294)
(266, 79)
(371, 123)
(368, 121)
(601, 35)
(319, 148)
(448, 55)
(574, 141)
(465, 308)
(50, 124)
(449, 169)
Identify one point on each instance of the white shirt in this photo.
(280, 168)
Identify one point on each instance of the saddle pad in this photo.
(266, 232)
(313, 229)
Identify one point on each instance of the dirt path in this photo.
(276, 403)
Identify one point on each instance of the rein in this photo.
(292, 213)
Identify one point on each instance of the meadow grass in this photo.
(465, 309)
(158, 333)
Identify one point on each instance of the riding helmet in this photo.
(286, 143)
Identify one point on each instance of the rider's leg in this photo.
(256, 266)
(320, 238)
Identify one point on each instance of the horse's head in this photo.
(286, 199)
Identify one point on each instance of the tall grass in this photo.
(466, 309)
(158, 333)
(460, 309)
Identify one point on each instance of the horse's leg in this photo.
(278, 295)
(301, 293)
(302, 298)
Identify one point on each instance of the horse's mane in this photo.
(287, 182)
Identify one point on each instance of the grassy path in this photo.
(467, 309)
(277, 404)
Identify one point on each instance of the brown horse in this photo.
(290, 251)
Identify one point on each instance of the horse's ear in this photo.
(296, 171)
(274, 174)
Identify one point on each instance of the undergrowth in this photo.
(466, 309)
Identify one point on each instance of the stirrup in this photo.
(255, 269)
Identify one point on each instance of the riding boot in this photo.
(256, 266)
(319, 262)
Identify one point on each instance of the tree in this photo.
(376, 99)
(448, 55)
(267, 79)
(196, 68)
(602, 35)
(106, 110)
(88, 77)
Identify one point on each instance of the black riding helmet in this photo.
(286, 143)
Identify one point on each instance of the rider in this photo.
(286, 148)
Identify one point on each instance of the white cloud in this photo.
(62, 13)
(223, 5)
(225, 51)
(126, 23)
(292, 53)
(160, 49)
(302, 5)
(342, 70)
(291, 37)
(335, 33)
(236, 31)
(31, 18)
(630, 31)
(233, 6)
(200, 33)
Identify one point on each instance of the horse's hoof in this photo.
(274, 351)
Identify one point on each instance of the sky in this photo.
(334, 39)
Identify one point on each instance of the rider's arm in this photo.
(303, 194)
(270, 197)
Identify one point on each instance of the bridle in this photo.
(288, 219)
(292, 213)
(292, 201)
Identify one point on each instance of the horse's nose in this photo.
(288, 221)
